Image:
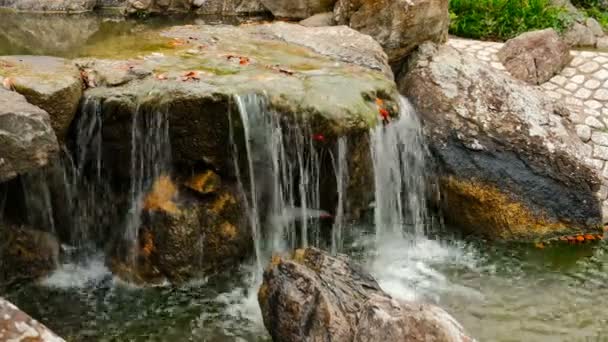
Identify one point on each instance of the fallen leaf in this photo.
(384, 113)
(379, 102)
(190, 76)
(539, 245)
(318, 137)
(161, 77)
(580, 238)
(176, 42)
(589, 237)
(243, 61)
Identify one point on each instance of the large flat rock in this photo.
(27, 141)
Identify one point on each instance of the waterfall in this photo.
(340, 165)
(398, 156)
(283, 169)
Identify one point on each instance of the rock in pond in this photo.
(511, 165)
(204, 7)
(319, 20)
(398, 25)
(535, 56)
(317, 297)
(26, 254)
(51, 83)
(27, 141)
(184, 235)
(16, 325)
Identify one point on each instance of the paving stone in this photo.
(601, 75)
(576, 61)
(592, 104)
(601, 59)
(601, 94)
(571, 86)
(586, 54)
(593, 122)
(549, 86)
(589, 67)
(603, 193)
(554, 95)
(592, 112)
(578, 79)
(600, 138)
(596, 164)
(583, 94)
(571, 101)
(592, 84)
(559, 80)
(564, 92)
(583, 132)
(600, 152)
(497, 65)
(569, 72)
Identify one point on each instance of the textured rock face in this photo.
(398, 25)
(184, 235)
(208, 7)
(27, 140)
(512, 167)
(298, 9)
(26, 254)
(16, 325)
(535, 56)
(49, 5)
(50, 83)
(316, 297)
(580, 35)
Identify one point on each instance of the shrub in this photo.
(504, 19)
(595, 9)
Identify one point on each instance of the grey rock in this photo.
(580, 35)
(51, 83)
(298, 9)
(16, 325)
(535, 57)
(595, 27)
(317, 297)
(319, 20)
(27, 140)
(533, 161)
(602, 43)
(398, 25)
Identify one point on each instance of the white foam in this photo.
(78, 275)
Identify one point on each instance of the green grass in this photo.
(504, 19)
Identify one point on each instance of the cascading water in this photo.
(340, 165)
(283, 183)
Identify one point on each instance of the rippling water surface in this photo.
(498, 292)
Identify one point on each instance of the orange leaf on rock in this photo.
(379, 102)
(8, 83)
(580, 238)
(384, 113)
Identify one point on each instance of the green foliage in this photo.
(504, 19)
(593, 9)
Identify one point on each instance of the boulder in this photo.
(26, 254)
(331, 86)
(183, 236)
(298, 9)
(510, 165)
(51, 83)
(317, 297)
(319, 20)
(398, 25)
(69, 6)
(535, 56)
(27, 141)
(580, 35)
(16, 325)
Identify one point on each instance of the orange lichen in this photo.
(147, 243)
(228, 230)
(221, 202)
(161, 197)
(205, 183)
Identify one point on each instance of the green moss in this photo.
(504, 19)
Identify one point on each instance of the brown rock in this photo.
(535, 56)
(398, 25)
(16, 325)
(298, 9)
(317, 297)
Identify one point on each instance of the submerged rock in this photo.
(398, 25)
(27, 141)
(26, 254)
(510, 165)
(535, 56)
(50, 83)
(16, 325)
(317, 297)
